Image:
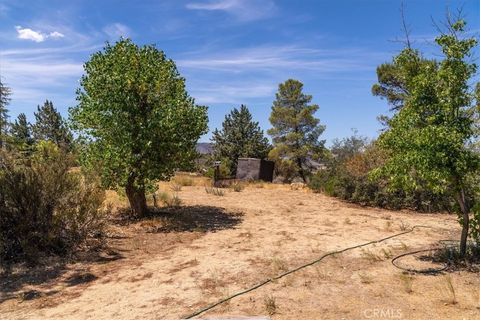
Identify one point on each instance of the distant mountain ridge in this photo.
(204, 148)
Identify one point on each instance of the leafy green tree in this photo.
(240, 137)
(428, 136)
(5, 93)
(20, 131)
(296, 131)
(50, 126)
(141, 122)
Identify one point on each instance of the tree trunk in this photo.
(465, 223)
(136, 197)
(300, 170)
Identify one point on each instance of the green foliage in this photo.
(50, 126)
(141, 122)
(295, 131)
(427, 138)
(46, 208)
(347, 177)
(240, 137)
(5, 93)
(21, 132)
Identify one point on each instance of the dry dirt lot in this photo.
(168, 266)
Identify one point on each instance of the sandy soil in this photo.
(171, 265)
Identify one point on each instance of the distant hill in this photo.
(204, 148)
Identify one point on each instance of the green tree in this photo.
(5, 93)
(20, 131)
(240, 137)
(392, 77)
(141, 122)
(428, 136)
(50, 126)
(296, 131)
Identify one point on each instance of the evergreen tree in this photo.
(240, 137)
(49, 125)
(392, 84)
(295, 131)
(20, 130)
(5, 93)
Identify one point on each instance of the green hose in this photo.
(211, 306)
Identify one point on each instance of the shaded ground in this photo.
(177, 261)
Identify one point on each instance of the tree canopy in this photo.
(21, 131)
(138, 117)
(239, 137)
(5, 93)
(50, 126)
(295, 130)
(428, 137)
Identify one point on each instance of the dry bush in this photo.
(270, 305)
(450, 293)
(184, 181)
(169, 200)
(46, 207)
(237, 187)
(215, 191)
(407, 282)
(176, 187)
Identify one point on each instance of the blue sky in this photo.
(230, 51)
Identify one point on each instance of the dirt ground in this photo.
(181, 260)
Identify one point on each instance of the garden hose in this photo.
(331, 253)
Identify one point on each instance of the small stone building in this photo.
(255, 169)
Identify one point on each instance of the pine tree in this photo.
(295, 131)
(50, 125)
(5, 93)
(240, 137)
(20, 130)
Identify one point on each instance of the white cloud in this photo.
(244, 10)
(37, 36)
(56, 35)
(29, 34)
(117, 30)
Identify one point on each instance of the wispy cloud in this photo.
(236, 93)
(244, 10)
(36, 36)
(117, 30)
(254, 73)
(277, 58)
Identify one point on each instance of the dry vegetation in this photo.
(183, 258)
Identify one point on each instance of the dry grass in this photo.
(185, 258)
(183, 180)
(406, 280)
(215, 191)
(270, 305)
(450, 293)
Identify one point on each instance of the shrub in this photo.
(184, 181)
(347, 177)
(46, 207)
(237, 187)
(215, 191)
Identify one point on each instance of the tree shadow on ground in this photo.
(13, 278)
(196, 218)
